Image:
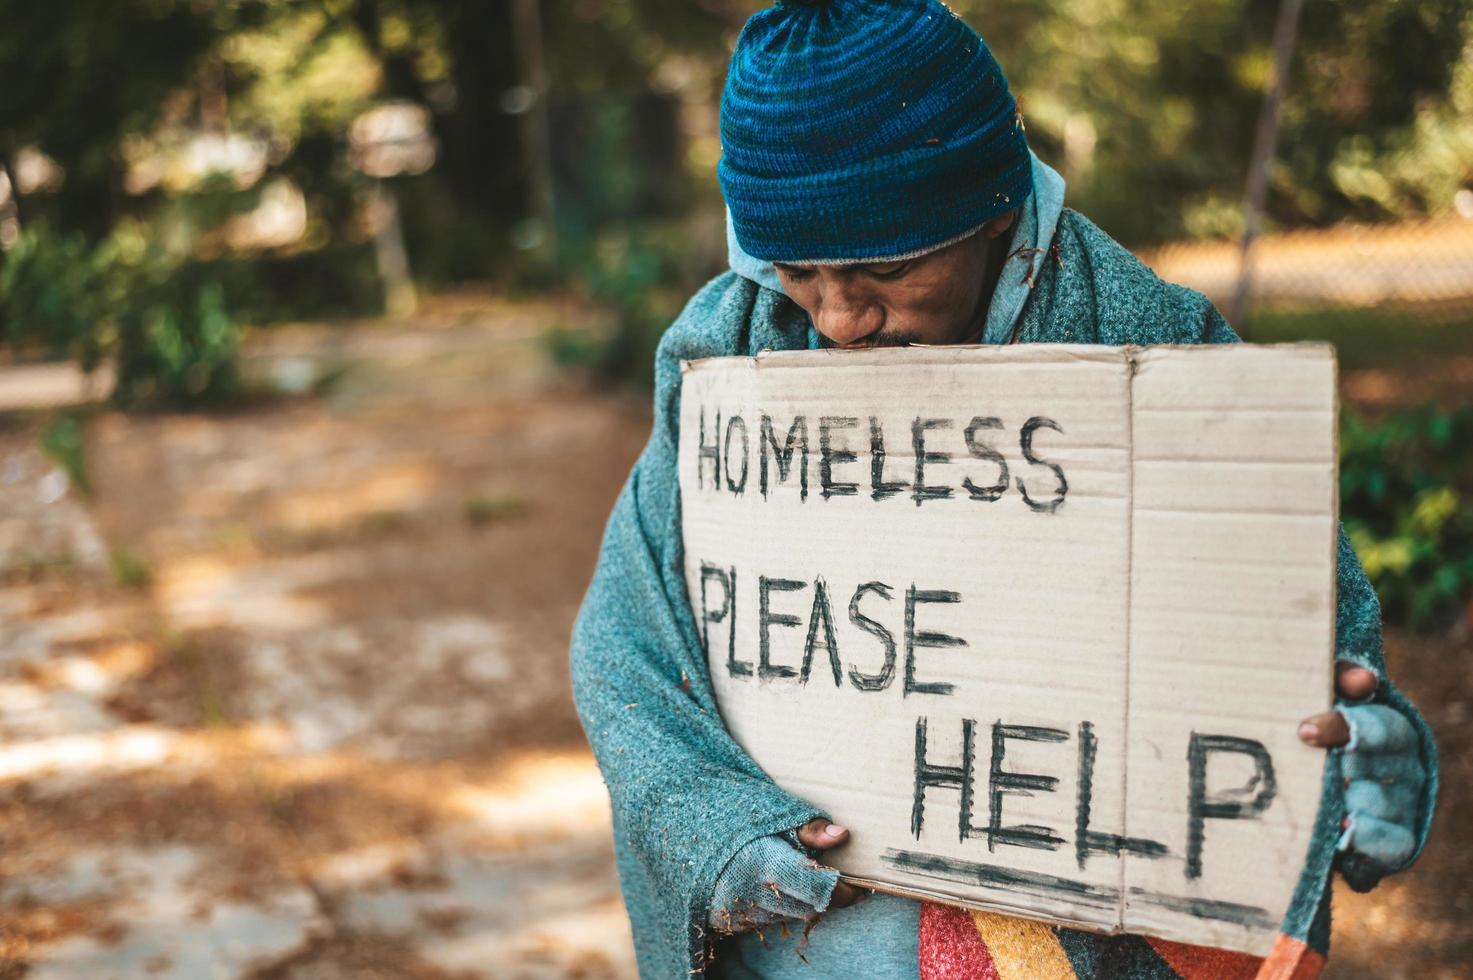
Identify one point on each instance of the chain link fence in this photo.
(1417, 272)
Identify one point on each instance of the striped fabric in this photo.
(957, 944)
(866, 130)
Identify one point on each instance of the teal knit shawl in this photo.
(685, 796)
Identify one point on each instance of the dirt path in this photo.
(331, 734)
(323, 728)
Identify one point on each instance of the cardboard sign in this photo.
(1037, 623)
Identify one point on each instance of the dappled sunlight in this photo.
(239, 836)
(155, 892)
(328, 336)
(28, 712)
(328, 721)
(100, 670)
(397, 487)
(76, 755)
(1409, 926)
(42, 621)
(1347, 266)
(111, 747)
(1376, 928)
(205, 591)
(1444, 378)
(328, 727)
(539, 795)
(593, 941)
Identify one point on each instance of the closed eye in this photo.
(793, 271)
(888, 270)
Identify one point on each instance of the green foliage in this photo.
(1406, 498)
(1150, 110)
(129, 569)
(481, 509)
(48, 294)
(161, 327)
(384, 521)
(600, 48)
(644, 272)
(1373, 337)
(573, 348)
(1380, 123)
(329, 283)
(177, 349)
(24, 566)
(63, 442)
(79, 76)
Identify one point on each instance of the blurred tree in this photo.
(79, 80)
(144, 105)
(78, 76)
(1150, 109)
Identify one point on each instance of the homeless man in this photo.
(881, 192)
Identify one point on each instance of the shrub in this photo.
(1406, 497)
(163, 327)
(63, 442)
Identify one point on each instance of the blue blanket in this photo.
(685, 796)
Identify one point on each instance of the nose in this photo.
(845, 314)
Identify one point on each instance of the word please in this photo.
(725, 452)
(719, 605)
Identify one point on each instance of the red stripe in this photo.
(1204, 962)
(951, 947)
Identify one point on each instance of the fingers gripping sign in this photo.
(1331, 730)
(770, 880)
(820, 835)
(1384, 776)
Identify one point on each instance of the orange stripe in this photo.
(1022, 949)
(1291, 959)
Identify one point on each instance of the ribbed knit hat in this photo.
(861, 130)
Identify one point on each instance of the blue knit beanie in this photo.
(860, 130)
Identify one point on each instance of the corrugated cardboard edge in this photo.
(922, 895)
(1037, 353)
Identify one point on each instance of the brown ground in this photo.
(1420, 924)
(329, 718)
(334, 722)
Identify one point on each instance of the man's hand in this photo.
(820, 835)
(1384, 777)
(770, 880)
(1330, 730)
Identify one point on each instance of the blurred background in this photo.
(307, 308)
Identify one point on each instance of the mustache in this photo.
(896, 338)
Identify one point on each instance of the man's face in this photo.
(937, 298)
